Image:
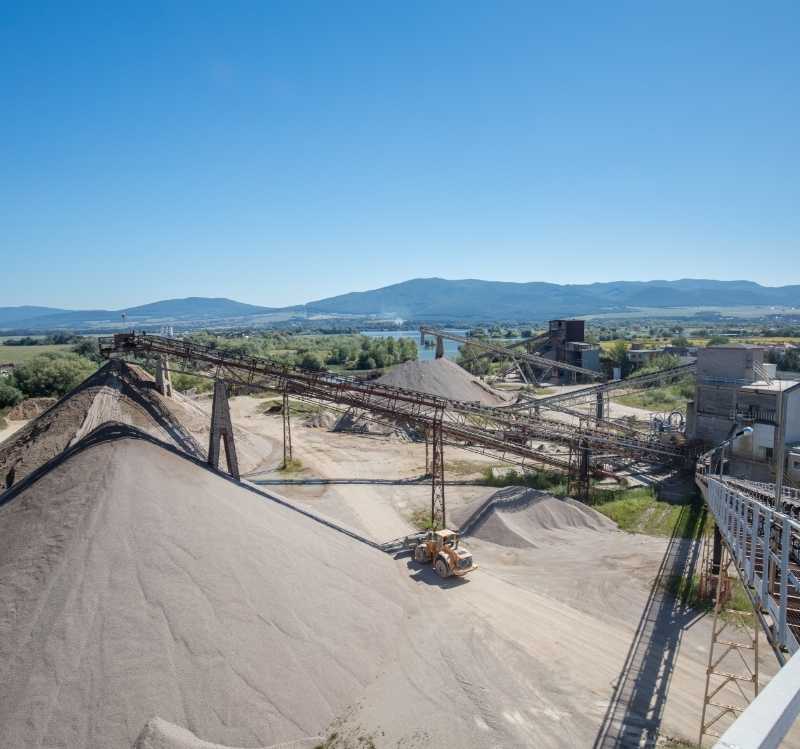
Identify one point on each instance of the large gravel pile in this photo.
(519, 517)
(135, 583)
(123, 393)
(29, 409)
(444, 378)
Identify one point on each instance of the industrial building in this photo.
(734, 386)
(569, 345)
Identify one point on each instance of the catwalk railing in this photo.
(764, 543)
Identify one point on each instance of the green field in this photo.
(17, 354)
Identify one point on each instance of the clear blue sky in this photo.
(281, 152)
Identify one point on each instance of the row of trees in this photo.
(49, 375)
(54, 339)
(315, 352)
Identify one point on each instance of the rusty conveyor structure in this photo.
(510, 351)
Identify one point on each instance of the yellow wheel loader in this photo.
(442, 549)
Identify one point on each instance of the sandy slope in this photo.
(136, 583)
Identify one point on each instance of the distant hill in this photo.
(436, 299)
(10, 315)
(196, 309)
(432, 298)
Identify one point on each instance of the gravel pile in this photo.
(30, 409)
(321, 420)
(123, 393)
(444, 378)
(136, 583)
(520, 517)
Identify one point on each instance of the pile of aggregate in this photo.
(519, 517)
(135, 582)
(444, 378)
(30, 409)
(123, 393)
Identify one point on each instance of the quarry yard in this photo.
(148, 600)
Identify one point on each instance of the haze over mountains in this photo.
(435, 298)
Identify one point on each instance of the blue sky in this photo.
(281, 152)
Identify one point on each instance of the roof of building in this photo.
(737, 345)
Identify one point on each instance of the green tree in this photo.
(88, 348)
(619, 352)
(52, 374)
(311, 360)
(680, 341)
(717, 340)
(9, 395)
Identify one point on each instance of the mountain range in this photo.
(434, 299)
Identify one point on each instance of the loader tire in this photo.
(419, 555)
(442, 568)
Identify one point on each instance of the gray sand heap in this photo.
(444, 378)
(519, 517)
(126, 394)
(136, 583)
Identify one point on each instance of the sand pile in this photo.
(124, 393)
(519, 517)
(444, 378)
(161, 734)
(30, 409)
(357, 423)
(321, 420)
(135, 583)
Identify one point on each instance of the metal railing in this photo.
(764, 544)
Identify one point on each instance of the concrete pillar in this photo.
(222, 429)
(599, 407)
(163, 377)
(439, 347)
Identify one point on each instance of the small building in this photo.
(569, 345)
(735, 387)
(638, 354)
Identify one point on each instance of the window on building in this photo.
(768, 453)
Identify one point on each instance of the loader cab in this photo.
(446, 538)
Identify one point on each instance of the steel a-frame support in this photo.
(732, 673)
(287, 432)
(438, 517)
(222, 430)
(163, 377)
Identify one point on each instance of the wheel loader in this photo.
(441, 547)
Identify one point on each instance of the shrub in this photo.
(52, 375)
(9, 395)
(88, 348)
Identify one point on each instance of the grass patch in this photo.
(300, 410)
(422, 519)
(291, 466)
(656, 399)
(550, 481)
(17, 354)
(687, 591)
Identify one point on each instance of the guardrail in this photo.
(764, 544)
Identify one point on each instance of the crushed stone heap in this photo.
(124, 393)
(136, 583)
(519, 517)
(30, 409)
(444, 378)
